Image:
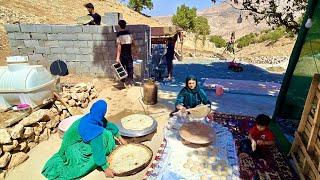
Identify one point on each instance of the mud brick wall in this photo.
(87, 50)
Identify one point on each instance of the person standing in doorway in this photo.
(125, 44)
(96, 17)
(170, 57)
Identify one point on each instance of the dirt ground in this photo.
(120, 103)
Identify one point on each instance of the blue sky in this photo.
(169, 7)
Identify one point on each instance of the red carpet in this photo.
(271, 164)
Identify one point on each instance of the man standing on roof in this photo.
(96, 17)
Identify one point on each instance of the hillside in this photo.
(57, 12)
(65, 11)
(224, 15)
(222, 19)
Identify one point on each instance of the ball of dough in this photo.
(194, 169)
(212, 159)
(196, 163)
(190, 161)
(202, 170)
(204, 153)
(202, 159)
(215, 178)
(186, 166)
(190, 154)
(203, 177)
(208, 171)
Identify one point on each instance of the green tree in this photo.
(201, 30)
(275, 12)
(185, 17)
(139, 5)
(218, 41)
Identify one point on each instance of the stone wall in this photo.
(85, 49)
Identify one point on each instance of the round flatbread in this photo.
(199, 111)
(129, 159)
(197, 133)
(136, 122)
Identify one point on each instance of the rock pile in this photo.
(79, 95)
(17, 139)
(267, 60)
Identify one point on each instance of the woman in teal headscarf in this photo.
(85, 146)
(191, 95)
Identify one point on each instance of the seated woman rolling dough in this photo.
(85, 146)
(191, 95)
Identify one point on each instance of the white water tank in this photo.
(24, 83)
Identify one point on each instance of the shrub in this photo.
(272, 35)
(246, 40)
(218, 41)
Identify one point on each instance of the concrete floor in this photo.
(243, 104)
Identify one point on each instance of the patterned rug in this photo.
(271, 165)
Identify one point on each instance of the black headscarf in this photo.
(196, 89)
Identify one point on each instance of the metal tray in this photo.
(131, 133)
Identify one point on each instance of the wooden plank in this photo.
(314, 130)
(308, 126)
(309, 101)
(297, 166)
(312, 175)
(301, 158)
(48, 101)
(310, 120)
(318, 144)
(304, 150)
(307, 131)
(304, 137)
(72, 111)
(317, 155)
(317, 95)
(294, 147)
(317, 151)
(312, 112)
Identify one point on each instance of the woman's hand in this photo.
(109, 172)
(182, 108)
(122, 141)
